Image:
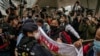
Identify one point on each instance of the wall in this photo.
(65, 2)
(51, 3)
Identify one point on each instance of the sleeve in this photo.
(92, 29)
(72, 30)
(4, 45)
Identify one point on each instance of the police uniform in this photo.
(26, 44)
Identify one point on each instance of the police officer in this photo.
(28, 45)
(30, 31)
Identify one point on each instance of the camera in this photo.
(84, 20)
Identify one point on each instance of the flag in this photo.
(61, 48)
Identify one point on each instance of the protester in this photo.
(60, 29)
(44, 25)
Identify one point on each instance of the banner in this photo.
(61, 48)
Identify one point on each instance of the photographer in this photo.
(78, 7)
(87, 27)
(13, 32)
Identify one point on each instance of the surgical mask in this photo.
(96, 46)
(37, 35)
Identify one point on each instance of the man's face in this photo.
(25, 15)
(39, 24)
(54, 23)
(36, 34)
(15, 22)
(89, 17)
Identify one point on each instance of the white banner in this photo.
(62, 48)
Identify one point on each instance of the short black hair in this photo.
(48, 16)
(77, 2)
(89, 12)
(11, 17)
(28, 20)
(63, 15)
(40, 21)
(55, 36)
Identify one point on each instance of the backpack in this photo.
(66, 37)
(32, 48)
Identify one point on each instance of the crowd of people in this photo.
(18, 34)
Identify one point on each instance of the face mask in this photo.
(37, 35)
(96, 46)
(53, 28)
